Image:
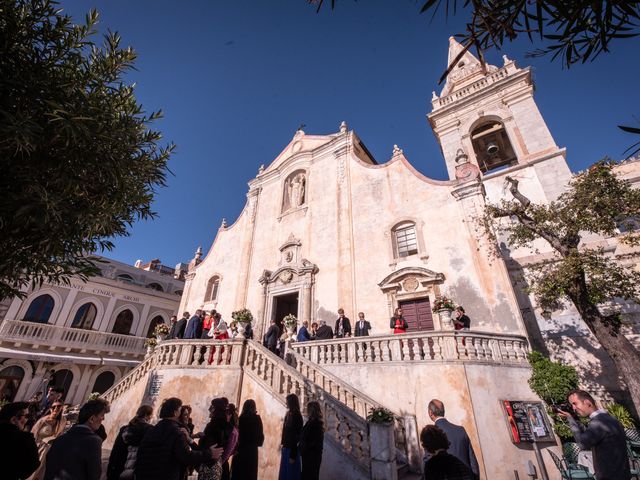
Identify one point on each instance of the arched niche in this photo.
(294, 190)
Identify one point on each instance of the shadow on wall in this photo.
(327, 315)
(481, 314)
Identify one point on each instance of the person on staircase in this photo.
(290, 463)
(312, 442)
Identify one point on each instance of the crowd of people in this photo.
(227, 447)
(204, 325)
(207, 325)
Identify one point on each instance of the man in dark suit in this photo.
(272, 336)
(324, 331)
(603, 435)
(460, 444)
(194, 326)
(178, 328)
(18, 450)
(77, 453)
(343, 325)
(362, 326)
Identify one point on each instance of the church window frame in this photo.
(405, 239)
(213, 289)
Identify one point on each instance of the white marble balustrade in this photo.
(442, 346)
(345, 427)
(54, 336)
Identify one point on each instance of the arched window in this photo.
(156, 286)
(152, 326)
(104, 382)
(212, 289)
(40, 309)
(405, 241)
(492, 146)
(123, 277)
(178, 292)
(124, 320)
(85, 316)
(10, 380)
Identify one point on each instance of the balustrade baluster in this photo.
(417, 349)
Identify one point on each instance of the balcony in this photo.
(45, 337)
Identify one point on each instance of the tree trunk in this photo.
(624, 355)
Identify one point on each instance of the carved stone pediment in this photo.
(410, 279)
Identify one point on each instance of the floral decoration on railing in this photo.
(443, 303)
(380, 415)
(150, 342)
(290, 321)
(161, 330)
(242, 316)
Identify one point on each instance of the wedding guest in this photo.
(18, 450)
(440, 464)
(45, 431)
(77, 453)
(303, 333)
(291, 430)
(217, 432)
(132, 437)
(398, 323)
(251, 436)
(343, 325)
(312, 442)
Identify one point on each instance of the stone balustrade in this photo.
(133, 377)
(471, 88)
(441, 346)
(200, 353)
(19, 332)
(356, 401)
(345, 427)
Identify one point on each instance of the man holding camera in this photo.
(603, 435)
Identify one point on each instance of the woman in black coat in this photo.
(251, 436)
(312, 442)
(291, 430)
(217, 432)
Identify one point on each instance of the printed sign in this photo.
(528, 422)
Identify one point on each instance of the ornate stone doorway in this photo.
(284, 305)
(412, 288)
(294, 278)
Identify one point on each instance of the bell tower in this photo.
(488, 114)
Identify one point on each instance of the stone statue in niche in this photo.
(289, 256)
(296, 191)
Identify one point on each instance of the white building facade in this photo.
(83, 336)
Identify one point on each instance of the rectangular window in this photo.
(406, 242)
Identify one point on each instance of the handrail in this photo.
(22, 331)
(346, 429)
(428, 346)
(353, 398)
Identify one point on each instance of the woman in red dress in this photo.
(398, 323)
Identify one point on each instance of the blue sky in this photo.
(236, 78)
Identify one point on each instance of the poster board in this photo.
(528, 421)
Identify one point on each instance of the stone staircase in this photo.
(344, 407)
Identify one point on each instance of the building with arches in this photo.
(84, 337)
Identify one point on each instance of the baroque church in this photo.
(326, 226)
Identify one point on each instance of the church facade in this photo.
(326, 227)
